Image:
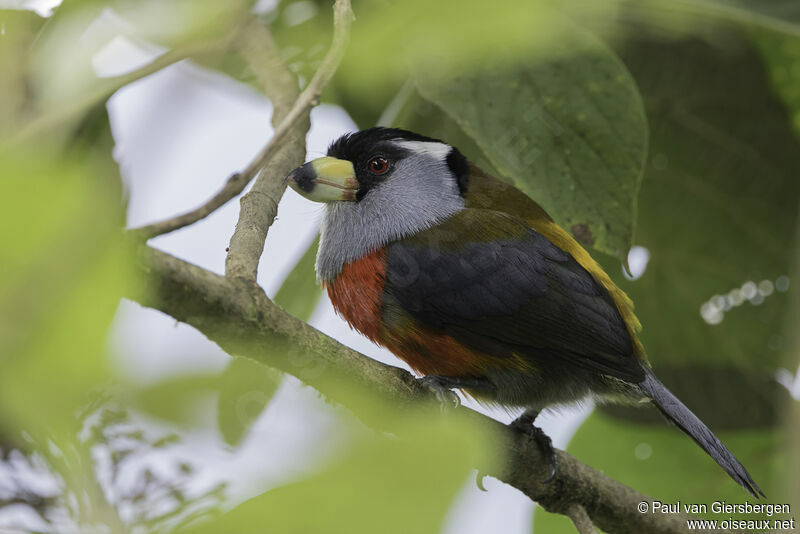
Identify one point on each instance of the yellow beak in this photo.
(325, 180)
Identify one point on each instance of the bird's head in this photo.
(381, 162)
(380, 185)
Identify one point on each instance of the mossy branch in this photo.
(244, 322)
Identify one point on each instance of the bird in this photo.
(471, 283)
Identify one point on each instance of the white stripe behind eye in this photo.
(439, 150)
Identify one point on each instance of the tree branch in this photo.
(244, 322)
(257, 46)
(259, 206)
(581, 520)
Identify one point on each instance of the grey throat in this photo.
(420, 193)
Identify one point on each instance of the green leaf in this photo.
(384, 484)
(19, 31)
(717, 206)
(776, 15)
(179, 400)
(246, 388)
(566, 127)
(667, 19)
(781, 55)
(65, 266)
(61, 74)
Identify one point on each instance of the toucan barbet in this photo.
(471, 283)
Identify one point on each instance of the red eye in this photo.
(378, 165)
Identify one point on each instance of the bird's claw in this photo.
(447, 398)
(543, 441)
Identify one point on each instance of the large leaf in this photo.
(65, 266)
(378, 484)
(777, 15)
(245, 391)
(781, 55)
(566, 127)
(177, 399)
(718, 206)
(62, 62)
(19, 31)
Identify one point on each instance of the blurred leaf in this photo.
(179, 400)
(781, 55)
(80, 34)
(779, 10)
(717, 206)
(303, 30)
(567, 128)
(246, 387)
(300, 293)
(668, 19)
(180, 21)
(19, 30)
(65, 266)
(779, 15)
(380, 484)
(662, 462)
(390, 37)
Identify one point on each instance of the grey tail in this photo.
(674, 410)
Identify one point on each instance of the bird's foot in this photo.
(525, 423)
(440, 387)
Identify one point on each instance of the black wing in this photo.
(508, 290)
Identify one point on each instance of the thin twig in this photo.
(279, 85)
(583, 523)
(259, 207)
